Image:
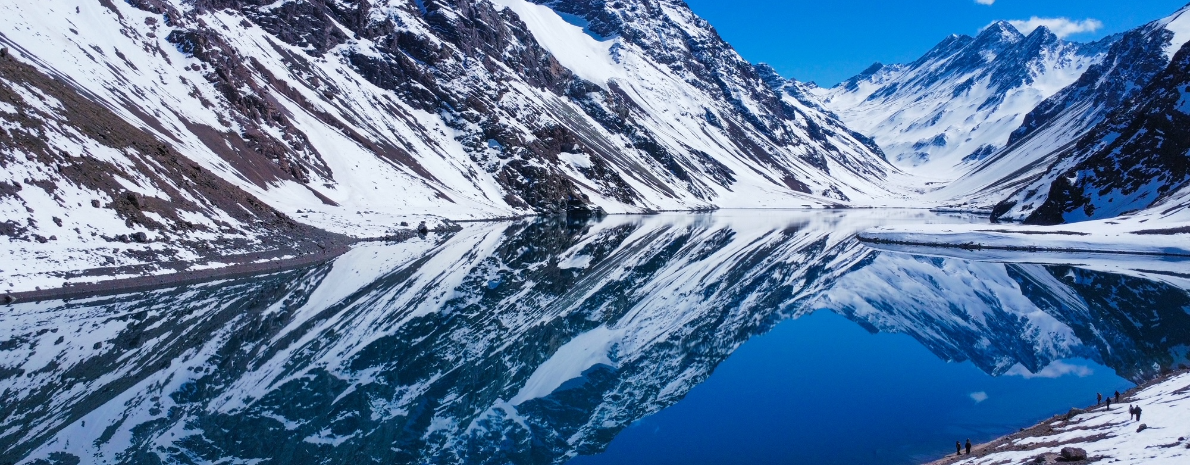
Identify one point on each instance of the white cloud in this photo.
(1056, 369)
(979, 397)
(985, 2)
(1061, 27)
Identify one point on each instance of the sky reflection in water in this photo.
(821, 390)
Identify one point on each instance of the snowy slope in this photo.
(366, 118)
(958, 104)
(1138, 158)
(1044, 147)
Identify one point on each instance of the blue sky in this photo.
(828, 41)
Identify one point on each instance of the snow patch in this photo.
(569, 362)
(571, 45)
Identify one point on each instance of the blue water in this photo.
(822, 390)
(724, 338)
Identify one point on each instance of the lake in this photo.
(717, 338)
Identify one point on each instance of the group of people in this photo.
(1099, 399)
(959, 447)
(1133, 412)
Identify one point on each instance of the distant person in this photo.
(958, 448)
(968, 447)
(1137, 413)
(1098, 398)
(1109, 403)
(1131, 412)
(1117, 397)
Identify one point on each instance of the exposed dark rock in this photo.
(1133, 161)
(1073, 454)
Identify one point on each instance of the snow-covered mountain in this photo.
(521, 342)
(365, 117)
(1135, 157)
(1054, 137)
(959, 104)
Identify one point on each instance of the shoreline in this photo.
(260, 263)
(1043, 442)
(241, 266)
(1020, 248)
(247, 267)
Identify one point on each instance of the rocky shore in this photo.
(1097, 434)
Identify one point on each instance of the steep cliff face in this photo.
(1003, 121)
(1139, 157)
(1056, 136)
(959, 104)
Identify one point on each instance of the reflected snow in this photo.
(527, 342)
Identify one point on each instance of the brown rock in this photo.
(1073, 454)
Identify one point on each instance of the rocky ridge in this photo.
(958, 104)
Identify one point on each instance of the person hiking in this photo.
(968, 447)
(1137, 413)
(1109, 403)
(1117, 397)
(1131, 412)
(1098, 398)
(958, 448)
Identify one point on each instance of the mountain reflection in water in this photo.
(523, 342)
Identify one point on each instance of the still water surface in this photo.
(734, 337)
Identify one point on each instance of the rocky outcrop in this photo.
(1068, 128)
(1138, 158)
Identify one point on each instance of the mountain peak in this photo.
(770, 76)
(1044, 34)
(1002, 30)
(876, 67)
(853, 83)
